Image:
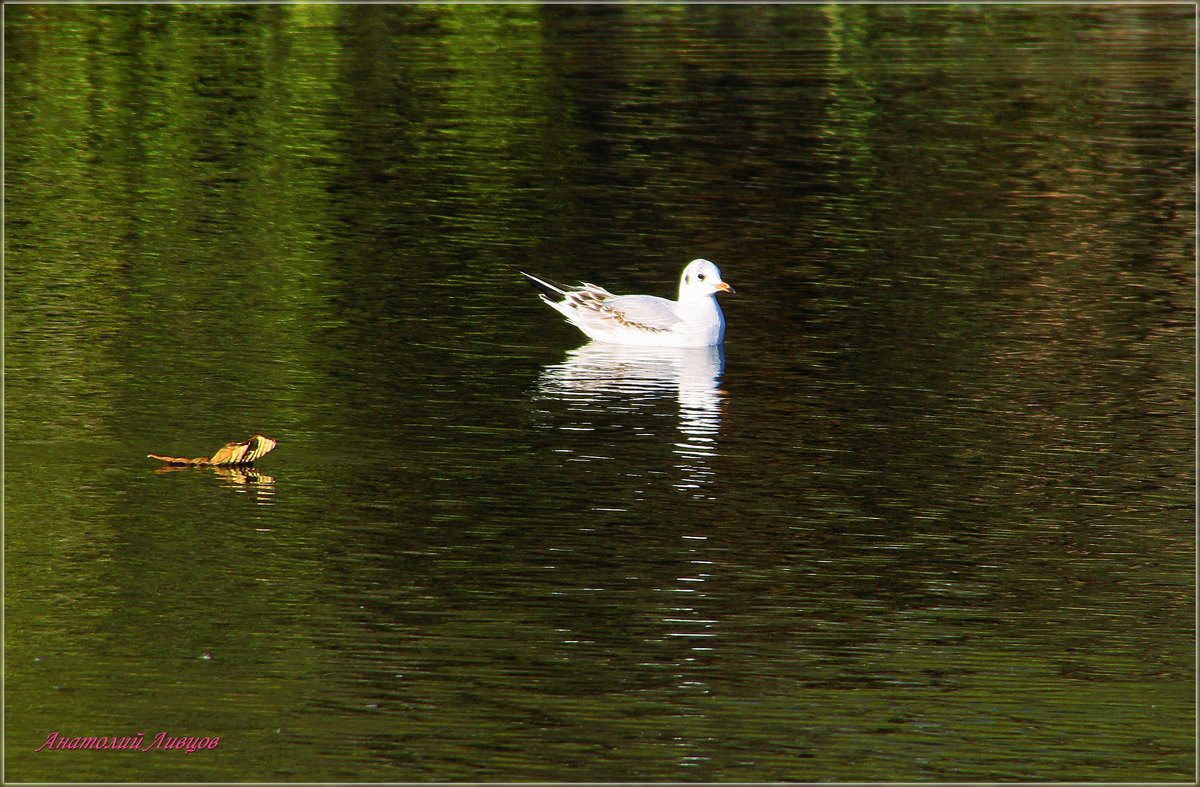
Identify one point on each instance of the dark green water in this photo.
(929, 516)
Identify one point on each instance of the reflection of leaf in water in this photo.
(235, 476)
(241, 478)
(229, 455)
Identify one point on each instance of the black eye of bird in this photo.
(700, 276)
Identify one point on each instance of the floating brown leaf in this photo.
(230, 454)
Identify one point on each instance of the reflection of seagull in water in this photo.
(610, 376)
(694, 320)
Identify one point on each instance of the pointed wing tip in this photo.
(547, 289)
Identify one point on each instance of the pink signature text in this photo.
(161, 742)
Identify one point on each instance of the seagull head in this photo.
(701, 279)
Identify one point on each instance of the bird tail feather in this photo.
(551, 292)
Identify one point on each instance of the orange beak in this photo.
(723, 287)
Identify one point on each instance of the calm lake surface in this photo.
(927, 515)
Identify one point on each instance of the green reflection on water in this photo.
(948, 536)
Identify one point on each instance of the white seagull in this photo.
(695, 320)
